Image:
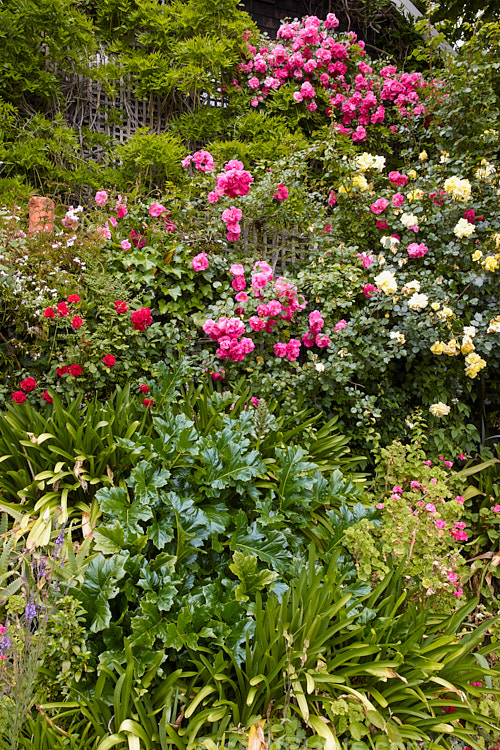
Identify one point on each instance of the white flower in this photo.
(412, 286)
(460, 190)
(494, 326)
(418, 301)
(464, 228)
(470, 331)
(439, 409)
(409, 220)
(379, 163)
(486, 171)
(397, 336)
(319, 367)
(386, 282)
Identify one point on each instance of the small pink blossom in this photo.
(459, 499)
(379, 206)
(451, 576)
(430, 507)
(396, 497)
(369, 290)
(495, 508)
(101, 197)
(414, 484)
(200, 262)
(241, 297)
(428, 463)
(449, 464)
(156, 209)
(380, 506)
(340, 325)
(125, 245)
(237, 269)
(397, 488)
(458, 592)
(433, 480)
(440, 524)
(281, 193)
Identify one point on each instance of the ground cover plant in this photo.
(249, 432)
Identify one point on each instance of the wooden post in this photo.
(41, 214)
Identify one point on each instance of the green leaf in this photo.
(252, 580)
(115, 502)
(99, 586)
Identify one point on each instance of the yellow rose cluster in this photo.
(460, 190)
(473, 362)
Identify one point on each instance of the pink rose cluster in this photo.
(228, 333)
(417, 250)
(202, 160)
(379, 205)
(307, 54)
(200, 262)
(314, 335)
(231, 218)
(290, 350)
(234, 181)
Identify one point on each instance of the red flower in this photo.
(144, 388)
(74, 298)
(75, 370)
(19, 397)
(141, 318)
(29, 384)
(148, 402)
(76, 322)
(62, 309)
(48, 312)
(120, 306)
(109, 360)
(48, 398)
(63, 370)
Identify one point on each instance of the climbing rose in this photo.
(29, 384)
(101, 197)
(19, 397)
(73, 298)
(49, 312)
(47, 397)
(74, 370)
(63, 370)
(200, 262)
(109, 360)
(62, 309)
(144, 388)
(156, 209)
(76, 322)
(141, 318)
(281, 193)
(120, 306)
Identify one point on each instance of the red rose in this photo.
(109, 360)
(147, 402)
(19, 397)
(144, 388)
(76, 322)
(74, 298)
(62, 309)
(75, 370)
(48, 312)
(120, 306)
(62, 370)
(141, 318)
(29, 384)
(48, 398)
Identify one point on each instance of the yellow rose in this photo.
(438, 347)
(467, 347)
(360, 181)
(490, 263)
(423, 155)
(451, 348)
(435, 306)
(477, 255)
(412, 174)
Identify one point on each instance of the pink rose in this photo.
(200, 262)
